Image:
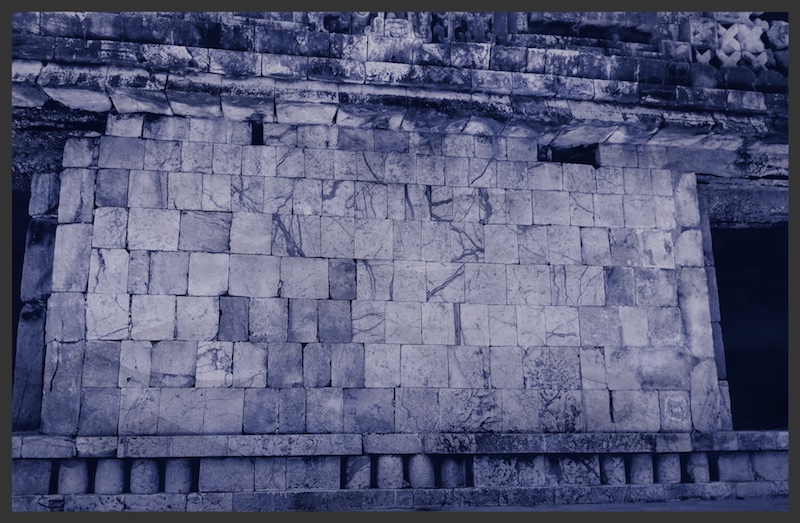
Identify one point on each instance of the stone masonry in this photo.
(318, 265)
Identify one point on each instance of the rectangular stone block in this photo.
(71, 257)
(284, 365)
(268, 319)
(261, 408)
(121, 152)
(61, 399)
(99, 411)
(368, 410)
(403, 322)
(107, 316)
(423, 366)
(139, 411)
(254, 275)
(65, 319)
(335, 323)
(214, 364)
(76, 197)
(152, 317)
(226, 475)
(202, 231)
(174, 364)
(223, 411)
(324, 410)
(474, 410)
(313, 473)
(381, 365)
(304, 278)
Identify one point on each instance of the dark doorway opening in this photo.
(753, 280)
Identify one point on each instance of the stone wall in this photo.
(262, 275)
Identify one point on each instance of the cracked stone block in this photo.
(184, 190)
(250, 233)
(249, 364)
(467, 205)
(560, 410)
(368, 321)
(296, 235)
(223, 411)
(61, 397)
(416, 409)
(337, 237)
(593, 369)
(519, 207)
(528, 284)
(530, 325)
(148, 189)
(519, 408)
(138, 272)
(369, 200)
(261, 409)
(550, 207)
(435, 241)
(269, 319)
(247, 194)
(101, 363)
(285, 365)
(657, 249)
(254, 275)
(579, 178)
(501, 244)
(335, 324)
(472, 410)
(314, 473)
(469, 367)
(226, 475)
(608, 210)
(107, 316)
(270, 473)
(668, 468)
(491, 205)
(259, 160)
(338, 198)
(637, 181)
(577, 285)
(342, 279)
(368, 410)
(580, 470)
(641, 469)
(196, 157)
(473, 326)
(551, 367)
(423, 366)
(71, 257)
(325, 411)
(152, 317)
(381, 365)
(154, 229)
(665, 326)
(357, 472)
(292, 411)
(233, 319)
(564, 243)
(599, 326)
(484, 283)
(581, 209)
(110, 228)
(169, 272)
(533, 244)
(216, 192)
(226, 159)
(636, 410)
(373, 239)
(317, 365)
(65, 319)
(595, 248)
(99, 411)
(76, 196)
(502, 325)
(173, 364)
(202, 231)
(289, 162)
(134, 363)
(304, 278)
(400, 168)
(561, 326)
(403, 322)
(374, 279)
(108, 271)
(138, 411)
(197, 317)
(639, 211)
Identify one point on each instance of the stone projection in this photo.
(339, 261)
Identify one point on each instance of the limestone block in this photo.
(561, 326)
(452, 472)
(335, 324)
(313, 473)
(423, 366)
(502, 325)
(285, 365)
(577, 285)
(152, 317)
(214, 364)
(337, 237)
(528, 284)
(657, 249)
(202, 231)
(108, 271)
(416, 409)
(197, 159)
(580, 470)
(226, 159)
(420, 471)
(636, 411)
(770, 465)
(99, 411)
(657, 287)
(180, 411)
(78, 152)
(110, 228)
(381, 365)
(324, 410)
(435, 242)
(400, 168)
(164, 127)
(134, 363)
(261, 408)
(675, 413)
(227, 475)
(500, 244)
(665, 325)
(268, 319)
(223, 411)
(270, 473)
(560, 410)
(174, 364)
(317, 365)
(61, 399)
(491, 205)
(216, 193)
(579, 178)
(254, 275)
(302, 320)
(634, 326)
(564, 245)
(735, 466)
(619, 285)
(705, 395)
(369, 200)
(467, 243)
(469, 367)
(466, 205)
(403, 322)
(593, 370)
(258, 160)
(249, 364)
(65, 319)
(665, 212)
(530, 325)
(373, 239)
(71, 257)
(368, 410)
(247, 194)
(45, 189)
(612, 469)
(438, 323)
(292, 411)
(637, 181)
(101, 363)
(608, 210)
(184, 190)
(599, 326)
(686, 205)
(473, 325)
(109, 476)
(162, 155)
(347, 365)
(296, 235)
(689, 248)
(473, 410)
(519, 207)
(73, 476)
(551, 367)
(595, 248)
(484, 283)
(408, 283)
(581, 209)
(169, 272)
(668, 468)
(76, 197)
(250, 233)
(139, 411)
(357, 472)
(153, 229)
(338, 198)
(368, 321)
(694, 303)
(697, 467)
(455, 169)
(641, 469)
(390, 471)
(121, 153)
(550, 207)
(107, 315)
(533, 244)
(177, 475)
(304, 278)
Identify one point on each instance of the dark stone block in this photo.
(591, 65)
(30, 476)
(237, 37)
(390, 141)
(121, 53)
(651, 71)
(27, 388)
(62, 393)
(24, 22)
(107, 26)
(505, 58)
(37, 269)
(292, 43)
(111, 188)
(771, 82)
(447, 77)
(233, 319)
(624, 68)
(335, 325)
(61, 23)
(739, 78)
(432, 54)
(657, 94)
(336, 70)
(32, 47)
(619, 285)
(703, 75)
(146, 28)
(678, 73)
(342, 277)
(77, 50)
(99, 411)
(701, 98)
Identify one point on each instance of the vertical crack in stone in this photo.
(457, 322)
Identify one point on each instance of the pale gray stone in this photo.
(636, 411)
(108, 271)
(374, 279)
(258, 160)
(250, 233)
(302, 320)
(600, 326)
(390, 472)
(208, 273)
(438, 323)
(107, 316)
(435, 241)
(153, 229)
(337, 237)
(608, 211)
(284, 365)
(296, 235)
(71, 257)
(564, 245)
(269, 319)
(373, 239)
(174, 364)
(595, 249)
(204, 231)
(169, 273)
(577, 285)
(528, 284)
(101, 364)
(110, 228)
(403, 322)
(417, 409)
(593, 368)
(407, 240)
(135, 363)
(467, 243)
(197, 317)
(227, 159)
(335, 324)
(484, 283)
(550, 207)
(369, 321)
(152, 317)
(441, 203)
(76, 196)
(502, 325)
(530, 325)
(501, 244)
(278, 195)
(254, 275)
(138, 411)
(381, 365)
(147, 189)
(675, 411)
(469, 367)
(491, 205)
(66, 318)
(320, 163)
(270, 473)
(519, 207)
(423, 366)
(317, 365)
(369, 200)
(306, 196)
(369, 411)
(247, 194)
(224, 409)
(249, 364)
(665, 212)
(338, 198)
(197, 157)
(581, 209)
(325, 412)
(408, 283)
(216, 193)
(304, 278)
(506, 367)
(657, 249)
(635, 331)
(473, 410)
(474, 324)
(226, 474)
(520, 410)
(162, 155)
(560, 410)
(561, 326)
(689, 248)
(533, 244)
(138, 272)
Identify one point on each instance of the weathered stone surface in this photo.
(62, 397)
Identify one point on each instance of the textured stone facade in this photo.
(410, 264)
